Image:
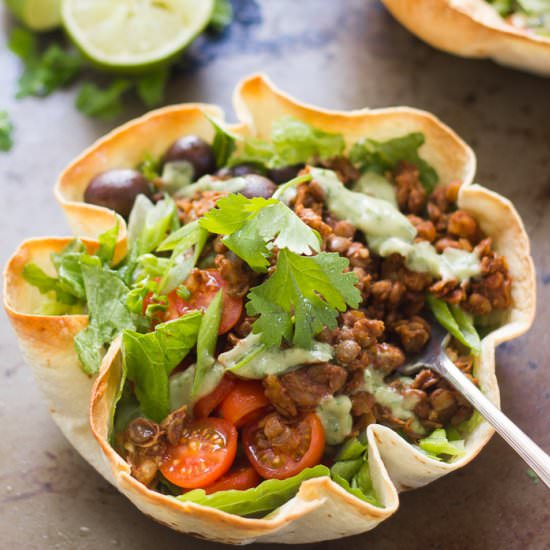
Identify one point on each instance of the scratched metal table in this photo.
(344, 54)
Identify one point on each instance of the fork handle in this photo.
(537, 459)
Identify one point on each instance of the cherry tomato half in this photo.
(201, 298)
(240, 478)
(205, 405)
(206, 451)
(301, 448)
(244, 402)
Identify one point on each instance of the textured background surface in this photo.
(344, 54)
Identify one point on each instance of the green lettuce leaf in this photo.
(351, 471)
(260, 500)
(292, 142)
(457, 322)
(149, 358)
(207, 338)
(106, 296)
(380, 156)
(438, 445)
(301, 297)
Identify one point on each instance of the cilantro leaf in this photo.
(152, 86)
(45, 72)
(6, 130)
(102, 103)
(292, 142)
(222, 14)
(301, 297)
(232, 212)
(251, 224)
(380, 156)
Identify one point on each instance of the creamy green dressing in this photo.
(209, 183)
(400, 406)
(388, 231)
(377, 186)
(250, 359)
(335, 415)
(181, 385)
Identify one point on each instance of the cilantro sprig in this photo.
(6, 131)
(301, 297)
(253, 227)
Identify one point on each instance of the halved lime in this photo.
(38, 15)
(134, 35)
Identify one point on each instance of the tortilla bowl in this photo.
(321, 510)
(472, 28)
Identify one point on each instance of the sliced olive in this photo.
(117, 189)
(284, 174)
(194, 150)
(258, 186)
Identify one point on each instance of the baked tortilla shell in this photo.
(472, 28)
(322, 510)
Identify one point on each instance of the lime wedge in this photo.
(134, 35)
(38, 15)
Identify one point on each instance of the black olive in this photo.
(257, 186)
(284, 174)
(117, 189)
(245, 169)
(194, 150)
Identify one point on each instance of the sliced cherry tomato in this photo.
(201, 298)
(301, 448)
(244, 402)
(240, 478)
(206, 451)
(205, 405)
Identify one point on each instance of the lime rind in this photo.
(132, 36)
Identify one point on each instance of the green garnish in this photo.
(252, 227)
(150, 358)
(6, 131)
(301, 297)
(381, 156)
(206, 340)
(457, 322)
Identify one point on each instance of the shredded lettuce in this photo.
(457, 322)
(437, 445)
(380, 156)
(106, 296)
(206, 339)
(351, 470)
(223, 144)
(260, 500)
(149, 358)
(292, 142)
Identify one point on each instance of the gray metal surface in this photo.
(344, 54)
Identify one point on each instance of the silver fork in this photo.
(435, 358)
